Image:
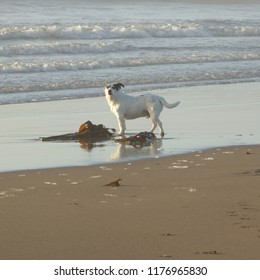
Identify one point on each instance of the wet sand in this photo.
(208, 117)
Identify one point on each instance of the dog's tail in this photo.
(167, 105)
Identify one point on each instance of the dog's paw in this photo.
(121, 134)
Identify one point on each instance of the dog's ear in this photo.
(119, 85)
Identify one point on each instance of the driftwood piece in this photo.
(114, 183)
(139, 140)
(88, 132)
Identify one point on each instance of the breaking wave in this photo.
(43, 65)
(203, 28)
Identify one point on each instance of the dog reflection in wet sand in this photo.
(127, 107)
(125, 151)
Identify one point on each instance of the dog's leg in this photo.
(160, 126)
(156, 121)
(121, 123)
(154, 126)
(154, 110)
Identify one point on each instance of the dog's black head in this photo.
(118, 86)
(114, 87)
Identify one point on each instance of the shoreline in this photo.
(127, 160)
(201, 205)
(208, 116)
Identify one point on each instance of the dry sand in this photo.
(203, 205)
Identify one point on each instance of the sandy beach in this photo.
(202, 205)
(190, 195)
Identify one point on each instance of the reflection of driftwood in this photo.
(88, 132)
(139, 140)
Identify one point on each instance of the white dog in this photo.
(127, 107)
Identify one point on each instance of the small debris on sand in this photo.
(114, 183)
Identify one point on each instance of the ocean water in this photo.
(53, 50)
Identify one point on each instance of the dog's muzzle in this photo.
(109, 92)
